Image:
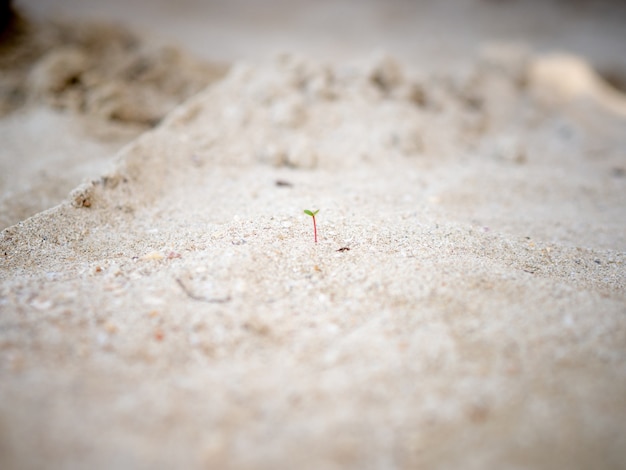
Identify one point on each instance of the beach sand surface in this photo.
(163, 303)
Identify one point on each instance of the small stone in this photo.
(155, 256)
(40, 304)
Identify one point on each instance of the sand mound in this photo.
(463, 308)
(97, 69)
(74, 94)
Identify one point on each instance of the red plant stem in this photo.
(315, 229)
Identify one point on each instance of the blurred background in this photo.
(437, 31)
(81, 78)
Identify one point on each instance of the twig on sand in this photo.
(202, 298)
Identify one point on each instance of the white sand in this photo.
(176, 313)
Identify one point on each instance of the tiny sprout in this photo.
(312, 214)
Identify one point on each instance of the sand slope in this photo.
(71, 95)
(176, 313)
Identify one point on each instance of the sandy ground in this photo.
(465, 306)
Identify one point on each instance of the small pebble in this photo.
(110, 327)
(41, 304)
(155, 255)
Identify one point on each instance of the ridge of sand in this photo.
(71, 95)
(176, 312)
